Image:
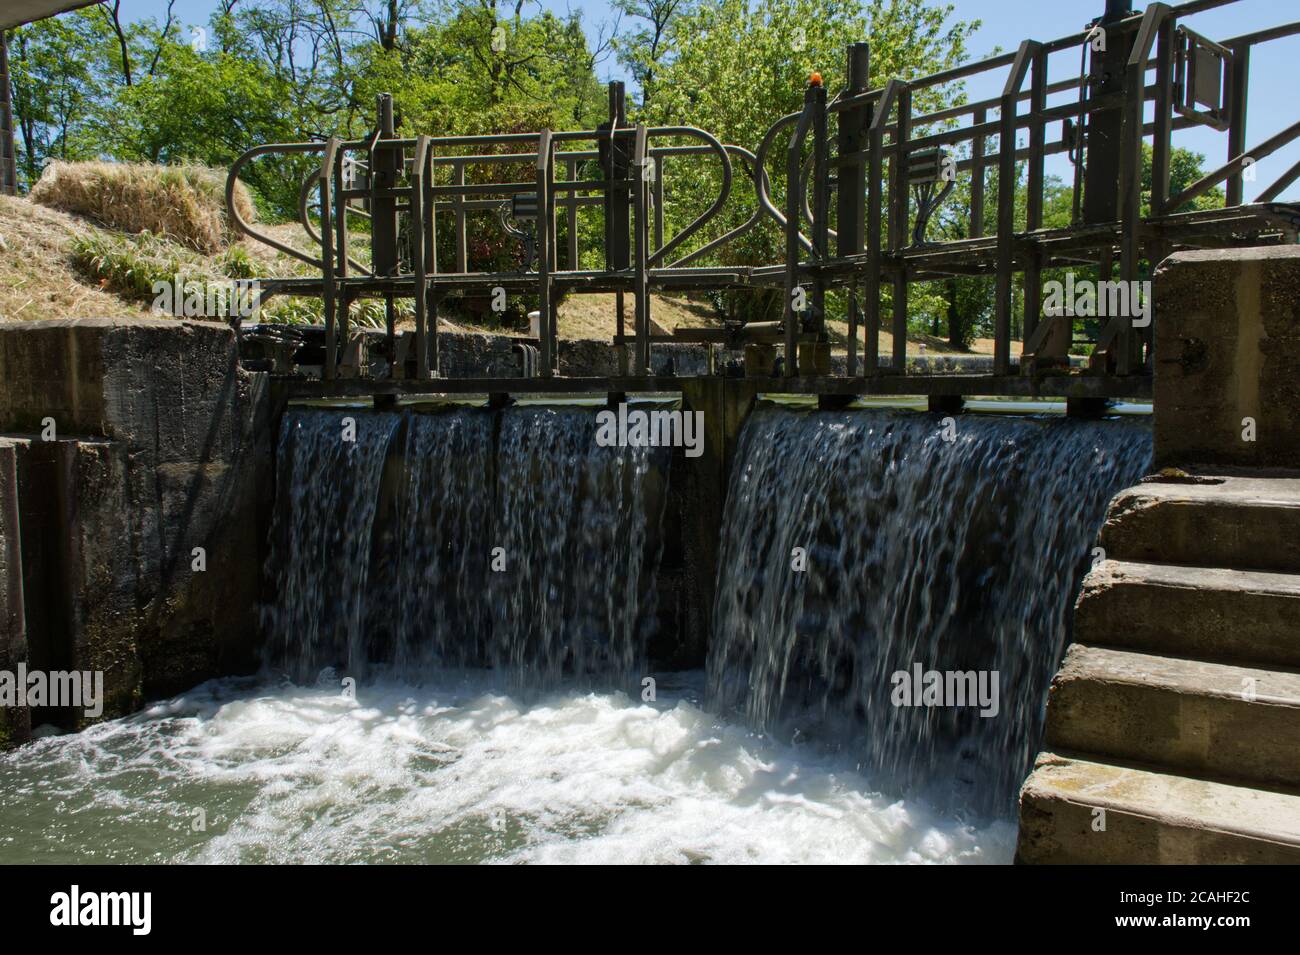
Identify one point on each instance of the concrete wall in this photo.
(160, 444)
(1227, 343)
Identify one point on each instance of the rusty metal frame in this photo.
(835, 153)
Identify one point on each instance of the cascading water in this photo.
(956, 546)
(382, 555)
(463, 538)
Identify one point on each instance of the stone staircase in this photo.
(1173, 726)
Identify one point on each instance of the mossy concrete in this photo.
(143, 457)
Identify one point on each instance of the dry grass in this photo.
(38, 278)
(183, 203)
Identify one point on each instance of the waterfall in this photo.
(463, 537)
(952, 545)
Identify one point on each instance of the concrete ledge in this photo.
(1199, 612)
(1242, 523)
(1150, 817)
(1206, 719)
(1227, 345)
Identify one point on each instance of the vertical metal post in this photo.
(612, 150)
(419, 260)
(659, 202)
(341, 244)
(1128, 344)
(820, 207)
(328, 291)
(385, 162)
(8, 154)
(793, 175)
(1106, 72)
(1007, 205)
(1161, 142)
(1034, 199)
(614, 162)
(1238, 78)
(875, 177)
(977, 178)
(850, 197)
(640, 193)
(899, 213)
(544, 253)
(571, 214)
(458, 208)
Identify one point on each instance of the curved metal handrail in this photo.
(304, 219)
(718, 203)
(764, 198)
(239, 222)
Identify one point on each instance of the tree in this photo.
(651, 43)
(59, 74)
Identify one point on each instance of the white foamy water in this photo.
(455, 770)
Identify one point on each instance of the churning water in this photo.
(455, 770)
(498, 713)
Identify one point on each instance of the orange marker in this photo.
(815, 79)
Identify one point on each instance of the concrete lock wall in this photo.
(1227, 340)
(127, 444)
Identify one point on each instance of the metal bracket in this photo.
(1201, 68)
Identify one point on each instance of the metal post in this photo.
(1161, 144)
(328, 291)
(875, 176)
(640, 193)
(458, 208)
(419, 170)
(793, 175)
(1238, 79)
(341, 245)
(1034, 199)
(820, 208)
(544, 252)
(977, 178)
(852, 182)
(659, 202)
(385, 163)
(1007, 205)
(8, 154)
(899, 213)
(1127, 343)
(1106, 71)
(571, 214)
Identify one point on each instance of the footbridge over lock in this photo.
(851, 180)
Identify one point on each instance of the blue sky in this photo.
(1273, 90)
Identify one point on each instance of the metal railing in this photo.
(863, 154)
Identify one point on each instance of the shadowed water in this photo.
(463, 538)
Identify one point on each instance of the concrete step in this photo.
(1207, 613)
(1075, 811)
(1243, 523)
(1208, 719)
